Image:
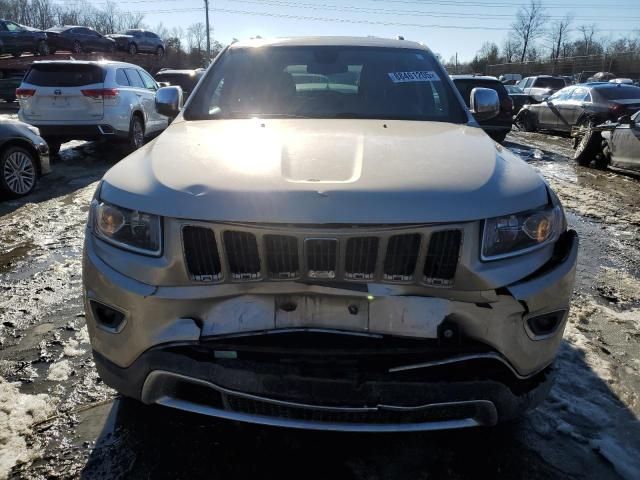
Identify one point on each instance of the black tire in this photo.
(604, 157)
(132, 49)
(111, 49)
(10, 100)
(77, 47)
(18, 172)
(54, 146)
(160, 52)
(43, 48)
(498, 136)
(587, 145)
(136, 128)
(52, 51)
(16, 54)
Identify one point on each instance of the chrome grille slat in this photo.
(361, 257)
(242, 255)
(321, 257)
(402, 257)
(201, 253)
(282, 256)
(442, 257)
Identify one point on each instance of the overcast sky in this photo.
(446, 26)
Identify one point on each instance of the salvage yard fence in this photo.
(624, 64)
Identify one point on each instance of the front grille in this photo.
(357, 255)
(322, 257)
(242, 255)
(442, 257)
(282, 256)
(401, 258)
(201, 254)
(361, 256)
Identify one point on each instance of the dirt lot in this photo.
(57, 420)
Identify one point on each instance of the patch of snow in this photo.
(18, 413)
(59, 371)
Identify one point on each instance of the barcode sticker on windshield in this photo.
(417, 76)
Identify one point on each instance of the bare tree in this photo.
(588, 32)
(529, 25)
(557, 35)
(197, 36)
(510, 49)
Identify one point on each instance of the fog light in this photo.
(544, 325)
(108, 318)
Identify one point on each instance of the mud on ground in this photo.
(57, 419)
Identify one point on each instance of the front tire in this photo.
(16, 54)
(77, 48)
(133, 49)
(160, 52)
(18, 172)
(587, 145)
(136, 133)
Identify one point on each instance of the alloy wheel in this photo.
(138, 134)
(19, 173)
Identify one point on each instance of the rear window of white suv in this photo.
(64, 75)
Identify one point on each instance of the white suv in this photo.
(77, 100)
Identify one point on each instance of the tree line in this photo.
(535, 38)
(184, 47)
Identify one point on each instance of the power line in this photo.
(511, 5)
(421, 13)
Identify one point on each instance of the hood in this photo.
(324, 171)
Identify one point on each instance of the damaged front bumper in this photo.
(381, 359)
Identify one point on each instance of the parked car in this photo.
(139, 41)
(588, 103)
(9, 81)
(185, 79)
(518, 97)
(496, 127)
(24, 156)
(78, 39)
(90, 100)
(542, 86)
(621, 144)
(510, 78)
(16, 39)
(357, 256)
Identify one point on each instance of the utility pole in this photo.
(206, 13)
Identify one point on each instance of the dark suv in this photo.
(78, 39)
(17, 39)
(185, 79)
(138, 41)
(498, 126)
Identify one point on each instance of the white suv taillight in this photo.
(22, 93)
(108, 95)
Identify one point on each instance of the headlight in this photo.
(522, 232)
(129, 229)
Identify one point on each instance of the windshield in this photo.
(513, 89)
(326, 82)
(553, 83)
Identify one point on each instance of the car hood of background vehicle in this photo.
(324, 171)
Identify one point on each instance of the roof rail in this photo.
(400, 37)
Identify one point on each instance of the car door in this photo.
(557, 103)
(548, 112)
(18, 37)
(146, 98)
(625, 145)
(572, 108)
(160, 122)
(94, 40)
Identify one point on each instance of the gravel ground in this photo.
(57, 420)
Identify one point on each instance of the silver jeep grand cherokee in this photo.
(324, 238)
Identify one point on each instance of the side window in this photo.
(12, 27)
(580, 94)
(149, 82)
(134, 78)
(530, 82)
(3, 27)
(149, 35)
(121, 78)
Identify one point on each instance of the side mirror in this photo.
(169, 101)
(624, 120)
(484, 103)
